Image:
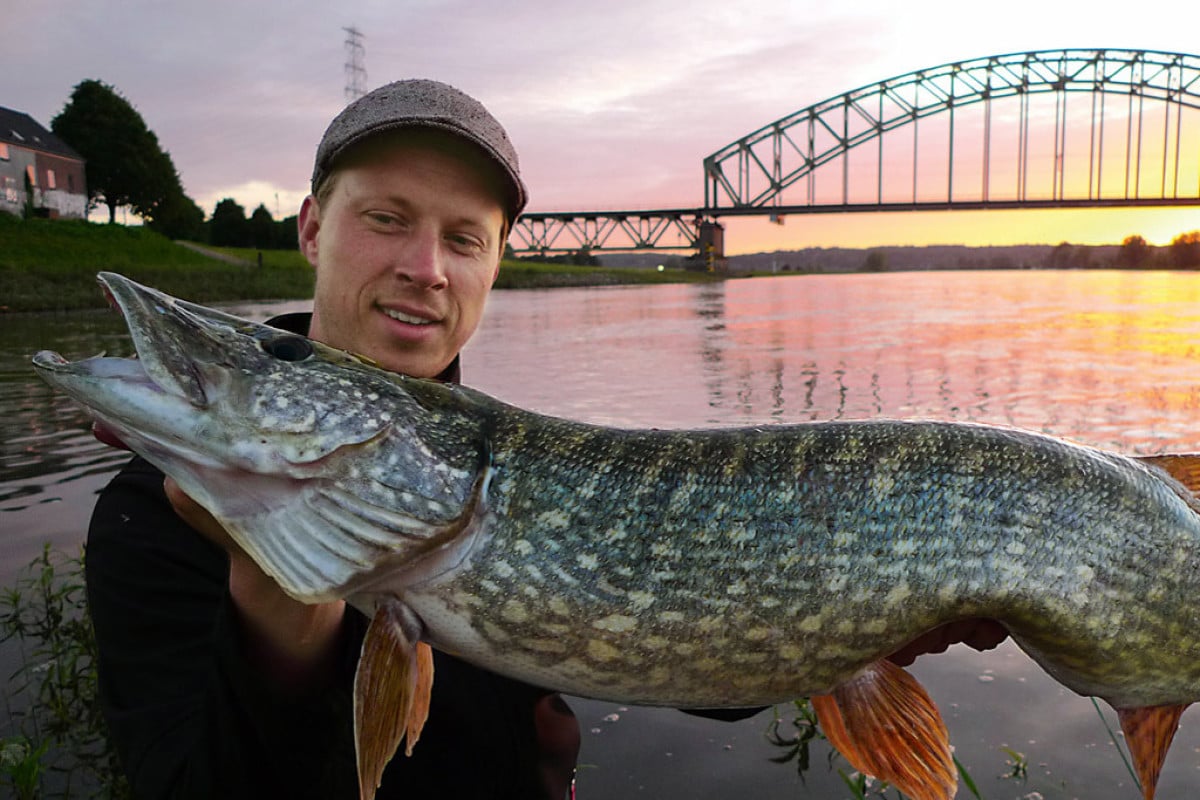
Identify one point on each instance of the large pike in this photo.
(705, 569)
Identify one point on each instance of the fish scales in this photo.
(829, 546)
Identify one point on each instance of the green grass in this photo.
(51, 265)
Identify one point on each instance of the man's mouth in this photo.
(400, 316)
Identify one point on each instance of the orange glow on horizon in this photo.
(1093, 226)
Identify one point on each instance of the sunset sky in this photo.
(612, 105)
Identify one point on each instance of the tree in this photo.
(1062, 256)
(1135, 253)
(583, 258)
(125, 164)
(876, 261)
(262, 228)
(287, 234)
(1185, 250)
(177, 216)
(228, 226)
(174, 214)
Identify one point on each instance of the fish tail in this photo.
(887, 726)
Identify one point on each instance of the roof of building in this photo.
(20, 129)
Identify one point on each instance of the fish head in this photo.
(320, 464)
(212, 387)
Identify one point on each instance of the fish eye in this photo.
(288, 348)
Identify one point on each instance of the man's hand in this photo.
(293, 641)
(981, 634)
(201, 521)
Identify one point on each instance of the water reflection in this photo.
(43, 436)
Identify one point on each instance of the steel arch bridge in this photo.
(1045, 129)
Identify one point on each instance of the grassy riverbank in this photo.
(51, 266)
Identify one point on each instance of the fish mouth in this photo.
(180, 370)
(170, 338)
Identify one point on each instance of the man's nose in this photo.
(422, 260)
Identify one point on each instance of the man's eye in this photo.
(465, 242)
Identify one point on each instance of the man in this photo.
(214, 682)
(217, 684)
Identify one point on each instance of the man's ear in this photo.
(308, 225)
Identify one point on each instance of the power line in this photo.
(356, 70)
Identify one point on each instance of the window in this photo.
(29, 173)
(50, 184)
(4, 151)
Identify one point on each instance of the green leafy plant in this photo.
(1018, 764)
(21, 766)
(797, 742)
(52, 697)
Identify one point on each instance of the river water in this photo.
(1107, 358)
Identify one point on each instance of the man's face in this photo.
(406, 247)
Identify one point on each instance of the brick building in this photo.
(32, 156)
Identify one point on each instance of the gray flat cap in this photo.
(421, 103)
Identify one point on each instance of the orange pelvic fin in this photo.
(1148, 732)
(391, 694)
(419, 711)
(887, 726)
(1183, 467)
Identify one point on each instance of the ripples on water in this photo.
(42, 437)
(1105, 358)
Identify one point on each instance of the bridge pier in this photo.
(710, 242)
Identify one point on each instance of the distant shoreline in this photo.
(50, 265)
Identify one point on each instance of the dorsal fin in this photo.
(1183, 467)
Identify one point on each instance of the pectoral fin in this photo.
(391, 692)
(887, 726)
(1148, 732)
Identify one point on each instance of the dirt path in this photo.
(205, 251)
